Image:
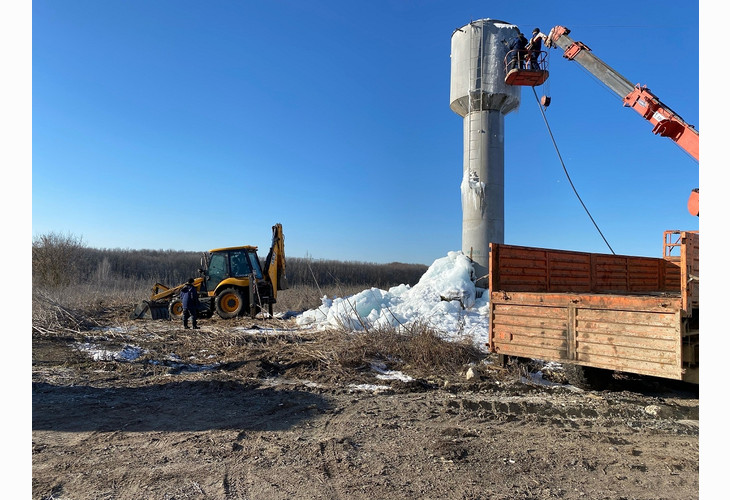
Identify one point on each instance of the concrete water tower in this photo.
(480, 95)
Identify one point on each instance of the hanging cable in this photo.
(542, 112)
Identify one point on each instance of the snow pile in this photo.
(445, 298)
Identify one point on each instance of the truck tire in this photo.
(229, 303)
(175, 309)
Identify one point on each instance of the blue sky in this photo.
(193, 125)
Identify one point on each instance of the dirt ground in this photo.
(235, 411)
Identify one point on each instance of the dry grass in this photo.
(50, 316)
(336, 353)
(418, 349)
(75, 308)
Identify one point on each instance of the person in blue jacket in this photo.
(189, 298)
(517, 51)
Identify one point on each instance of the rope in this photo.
(542, 112)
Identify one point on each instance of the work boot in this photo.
(185, 325)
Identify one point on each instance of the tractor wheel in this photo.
(229, 303)
(175, 309)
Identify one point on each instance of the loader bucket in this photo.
(150, 309)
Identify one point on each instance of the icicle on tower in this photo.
(480, 95)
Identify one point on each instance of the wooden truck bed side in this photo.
(637, 334)
(615, 312)
(528, 269)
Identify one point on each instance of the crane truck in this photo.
(602, 313)
(231, 283)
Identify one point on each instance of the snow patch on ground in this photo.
(384, 374)
(368, 387)
(259, 330)
(126, 353)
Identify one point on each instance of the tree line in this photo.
(61, 260)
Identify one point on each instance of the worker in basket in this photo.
(534, 47)
(517, 52)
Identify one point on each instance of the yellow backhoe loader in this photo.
(232, 283)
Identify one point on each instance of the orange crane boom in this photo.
(666, 123)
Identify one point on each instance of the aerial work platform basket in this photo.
(520, 69)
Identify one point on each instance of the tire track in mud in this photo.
(564, 408)
(271, 443)
(337, 451)
(343, 445)
(586, 411)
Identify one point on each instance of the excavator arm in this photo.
(666, 123)
(275, 266)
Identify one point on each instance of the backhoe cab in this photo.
(232, 283)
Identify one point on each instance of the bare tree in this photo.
(57, 259)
